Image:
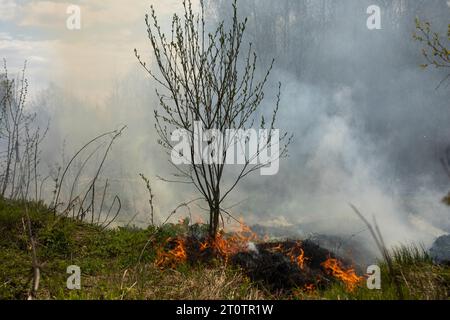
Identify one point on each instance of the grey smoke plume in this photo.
(370, 125)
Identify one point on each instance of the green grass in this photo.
(110, 260)
(417, 276)
(112, 266)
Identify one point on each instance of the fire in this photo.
(204, 246)
(172, 258)
(297, 255)
(228, 245)
(348, 277)
(300, 260)
(223, 245)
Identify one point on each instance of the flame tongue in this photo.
(297, 255)
(172, 258)
(228, 245)
(348, 277)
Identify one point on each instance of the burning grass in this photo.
(171, 258)
(279, 267)
(347, 276)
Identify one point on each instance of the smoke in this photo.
(335, 161)
(369, 124)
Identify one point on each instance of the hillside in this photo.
(124, 263)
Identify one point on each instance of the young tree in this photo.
(205, 79)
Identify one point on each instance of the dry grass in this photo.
(200, 283)
(425, 282)
(420, 277)
(151, 283)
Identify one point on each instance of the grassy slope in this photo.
(109, 261)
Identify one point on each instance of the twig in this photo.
(185, 204)
(150, 200)
(36, 266)
(376, 235)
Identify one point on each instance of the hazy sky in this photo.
(88, 60)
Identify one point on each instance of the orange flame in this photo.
(224, 245)
(348, 277)
(228, 245)
(171, 258)
(300, 260)
(204, 246)
(297, 255)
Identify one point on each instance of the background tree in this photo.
(437, 54)
(20, 139)
(205, 78)
(437, 48)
